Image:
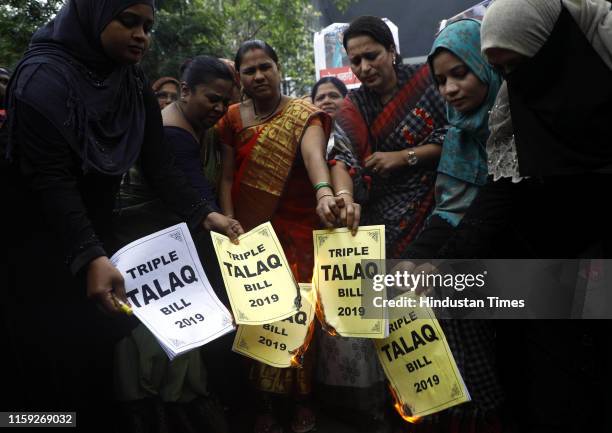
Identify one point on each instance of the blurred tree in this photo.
(185, 28)
(18, 21)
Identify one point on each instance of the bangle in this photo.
(343, 191)
(320, 185)
(324, 195)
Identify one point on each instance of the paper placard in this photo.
(418, 362)
(338, 279)
(280, 344)
(169, 291)
(257, 276)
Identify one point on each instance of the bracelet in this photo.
(325, 195)
(320, 185)
(343, 191)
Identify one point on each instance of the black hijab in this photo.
(95, 103)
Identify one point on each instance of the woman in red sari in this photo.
(274, 153)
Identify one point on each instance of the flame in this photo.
(320, 312)
(298, 354)
(403, 410)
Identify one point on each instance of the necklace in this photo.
(262, 117)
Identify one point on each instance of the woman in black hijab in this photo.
(79, 114)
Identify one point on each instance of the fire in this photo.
(298, 354)
(403, 409)
(320, 312)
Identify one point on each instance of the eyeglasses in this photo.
(167, 96)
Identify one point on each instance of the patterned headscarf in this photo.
(467, 136)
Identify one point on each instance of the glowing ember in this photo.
(403, 409)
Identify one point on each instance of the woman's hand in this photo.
(350, 212)
(224, 225)
(383, 163)
(328, 210)
(103, 282)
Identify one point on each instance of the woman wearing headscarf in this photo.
(550, 165)
(559, 149)
(80, 113)
(470, 86)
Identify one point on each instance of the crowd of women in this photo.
(496, 147)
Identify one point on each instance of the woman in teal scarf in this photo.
(469, 85)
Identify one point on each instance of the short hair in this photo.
(203, 70)
(332, 80)
(254, 44)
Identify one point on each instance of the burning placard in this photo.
(169, 291)
(418, 362)
(342, 262)
(280, 344)
(257, 276)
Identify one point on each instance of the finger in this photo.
(404, 266)
(350, 216)
(119, 288)
(108, 304)
(356, 217)
(343, 216)
(425, 268)
(333, 207)
(232, 235)
(325, 216)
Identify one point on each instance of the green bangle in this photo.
(320, 185)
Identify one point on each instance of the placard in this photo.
(418, 362)
(339, 271)
(257, 276)
(280, 344)
(169, 291)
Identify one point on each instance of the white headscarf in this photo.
(595, 19)
(523, 26)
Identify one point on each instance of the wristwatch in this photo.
(411, 158)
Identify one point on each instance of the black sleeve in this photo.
(161, 173)
(187, 153)
(51, 171)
